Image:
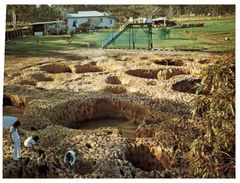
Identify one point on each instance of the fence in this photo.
(16, 33)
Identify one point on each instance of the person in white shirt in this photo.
(31, 141)
(15, 137)
(70, 157)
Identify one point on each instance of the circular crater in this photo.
(27, 81)
(56, 68)
(115, 89)
(169, 61)
(87, 68)
(13, 106)
(14, 100)
(204, 61)
(165, 74)
(41, 77)
(187, 86)
(144, 58)
(143, 73)
(78, 115)
(148, 158)
(7, 101)
(113, 80)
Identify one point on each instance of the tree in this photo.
(14, 14)
(164, 33)
(32, 13)
(213, 153)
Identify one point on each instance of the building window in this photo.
(101, 20)
(110, 21)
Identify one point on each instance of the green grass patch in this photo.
(210, 37)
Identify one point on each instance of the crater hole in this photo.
(113, 80)
(101, 113)
(169, 62)
(187, 86)
(147, 159)
(56, 68)
(143, 73)
(87, 68)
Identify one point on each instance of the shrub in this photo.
(213, 153)
(85, 27)
(164, 33)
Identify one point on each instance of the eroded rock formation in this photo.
(57, 95)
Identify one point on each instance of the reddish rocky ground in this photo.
(60, 98)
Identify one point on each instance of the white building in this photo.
(94, 18)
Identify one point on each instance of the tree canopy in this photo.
(34, 13)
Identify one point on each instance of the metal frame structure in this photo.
(132, 30)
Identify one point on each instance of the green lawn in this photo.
(210, 37)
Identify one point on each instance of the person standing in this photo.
(15, 137)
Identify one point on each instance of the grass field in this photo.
(210, 37)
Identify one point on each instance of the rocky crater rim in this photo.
(56, 68)
(14, 101)
(114, 80)
(41, 77)
(72, 112)
(204, 61)
(91, 67)
(144, 73)
(148, 158)
(168, 62)
(115, 89)
(167, 73)
(25, 81)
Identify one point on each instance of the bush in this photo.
(85, 27)
(164, 33)
(213, 153)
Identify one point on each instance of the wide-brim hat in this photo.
(9, 120)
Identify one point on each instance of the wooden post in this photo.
(150, 44)
(14, 34)
(129, 38)
(17, 34)
(9, 35)
(6, 36)
(133, 39)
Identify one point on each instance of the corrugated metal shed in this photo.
(51, 27)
